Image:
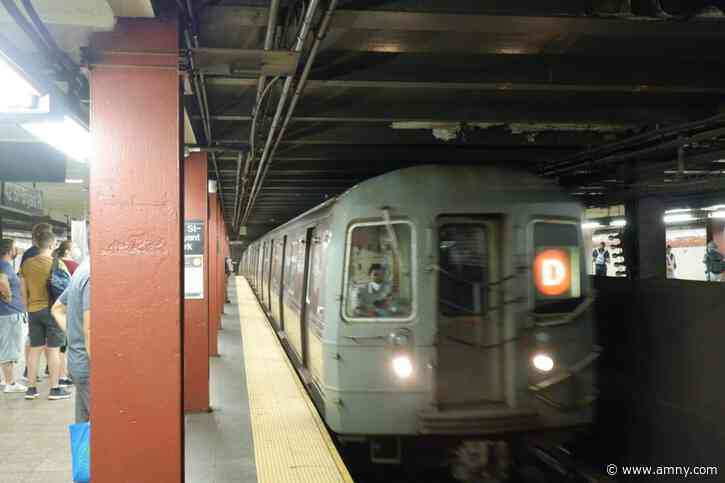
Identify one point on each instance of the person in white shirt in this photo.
(600, 257)
(671, 263)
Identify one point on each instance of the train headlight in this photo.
(542, 362)
(402, 366)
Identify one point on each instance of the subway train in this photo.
(435, 301)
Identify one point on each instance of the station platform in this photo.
(34, 439)
(264, 427)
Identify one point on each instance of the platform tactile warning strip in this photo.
(291, 443)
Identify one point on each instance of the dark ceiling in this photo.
(603, 95)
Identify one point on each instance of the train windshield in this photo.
(379, 283)
(556, 268)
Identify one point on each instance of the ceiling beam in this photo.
(244, 17)
(245, 61)
(485, 86)
(488, 134)
(379, 107)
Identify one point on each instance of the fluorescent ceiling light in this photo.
(679, 210)
(678, 218)
(714, 207)
(74, 180)
(620, 222)
(65, 135)
(588, 225)
(16, 93)
(717, 214)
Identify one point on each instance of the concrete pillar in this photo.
(135, 242)
(196, 310)
(646, 238)
(214, 314)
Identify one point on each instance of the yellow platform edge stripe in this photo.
(268, 469)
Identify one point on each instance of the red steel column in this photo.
(135, 233)
(213, 274)
(196, 311)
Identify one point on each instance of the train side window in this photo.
(379, 281)
(557, 266)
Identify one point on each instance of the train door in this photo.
(470, 358)
(260, 264)
(294, 281)
(276, 281)
(310, 303)
(314, 320)
(268, 275)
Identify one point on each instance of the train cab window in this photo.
(464, 269)
(379, 273)
(557, 269)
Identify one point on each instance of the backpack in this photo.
(57, 282)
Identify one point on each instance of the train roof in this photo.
(489, 183)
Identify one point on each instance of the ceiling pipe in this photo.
(639, 153)
(242, 182)
(268, 40)
(293, 104)
(301, 84)
(609, 150)
(268, 43)
(200, 91)
(240, 160)
(301, 39)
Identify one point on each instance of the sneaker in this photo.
(65, 382)
(31, 393)
(14, 388)
(58, 393)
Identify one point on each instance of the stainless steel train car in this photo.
(436, 300)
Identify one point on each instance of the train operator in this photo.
(374, 298)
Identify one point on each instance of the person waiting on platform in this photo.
(63, 252)
(671, 262)
(600, 258)
(43, 331)
(33, 250)
(27, 255)
(374, 298)
(12, 309)
(72, 311)
(228, 270)
(714, 263)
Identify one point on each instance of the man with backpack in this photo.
(714, 263)
(38, 274)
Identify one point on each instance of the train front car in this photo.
(458, 304)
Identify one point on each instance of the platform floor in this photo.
(291, 443)
(219, 446)
(34, 439)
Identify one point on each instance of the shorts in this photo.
(11, 334)
(43, 330)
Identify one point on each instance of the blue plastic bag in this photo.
(80, 445)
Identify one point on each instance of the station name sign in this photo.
(193, 259)
(22, 199)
